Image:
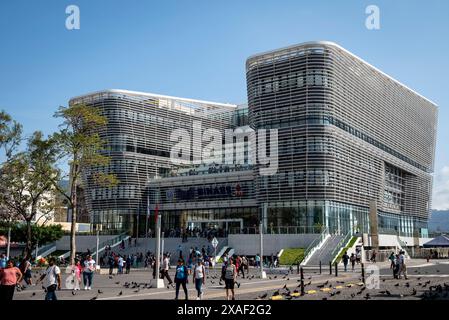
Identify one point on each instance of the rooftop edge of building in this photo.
(335, 45)
(153, 95)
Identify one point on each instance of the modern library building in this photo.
(350, 140)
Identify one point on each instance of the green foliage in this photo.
(40, 234)
(291, 256)
(342, 252)
(10, 133)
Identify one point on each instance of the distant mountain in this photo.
(439, 221)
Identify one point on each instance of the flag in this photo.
(156, 213)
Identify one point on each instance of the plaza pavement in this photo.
(422, 282)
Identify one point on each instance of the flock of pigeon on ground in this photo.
(413, 287)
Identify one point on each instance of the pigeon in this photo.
(388, 293)
(367, 296)
(396, 285)
(73, 293)
(99, 291)
(352, 295)
(120, 293)
(276, 293)
(285, 286)
(94, 298)
(275, 277)
(263, 296)
(213, 282)
(34, 293)
(419, 278)
(118, 282)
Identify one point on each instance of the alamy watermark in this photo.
(73, 21)
(240, 146)
(372, 22)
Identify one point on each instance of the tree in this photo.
(78, 141)
(10, 134)
(40, 233)
(25, 189)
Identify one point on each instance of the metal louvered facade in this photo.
(348, 134)
(137, 138)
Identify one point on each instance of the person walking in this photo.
(128, 264)
(391, 258)
(345, 259)
(88, 272)
(164, 270)
(76, 273)
(257, 259)
(120, 264)
(352, 259)
(25, 268)
(111, 263)
(3, 261)
(199, 278)
(10, 276)
(397, 267)
(230, 277)
(403, 267)
(181, 278)
(373, 256)
(53, 279)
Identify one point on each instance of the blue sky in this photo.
(198, 49)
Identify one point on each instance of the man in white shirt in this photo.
(164, 269)
(402, 266)
(88, 272)
(53, 279)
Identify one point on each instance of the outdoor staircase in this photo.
(326, 252)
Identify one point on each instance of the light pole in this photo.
(98, 244)
(263, 274)
(162, 246)
(146, 221)
(159, 283)
(9, 241)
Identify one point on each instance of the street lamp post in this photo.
(159, 283)
(9, 241)
(146, 222)
(98, 227)
(263, 274)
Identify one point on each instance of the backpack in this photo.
(181, 273)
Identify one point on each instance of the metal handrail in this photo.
(314, 243)
(340, 246)
(120, 237)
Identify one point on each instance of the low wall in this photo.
(249, 244)
(82, 242)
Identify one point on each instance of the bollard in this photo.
(302, 281)
(297, 268)
(363, 273)
(336, 269)
(330, 267)
(320, 266)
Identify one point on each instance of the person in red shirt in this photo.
(9, 278)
